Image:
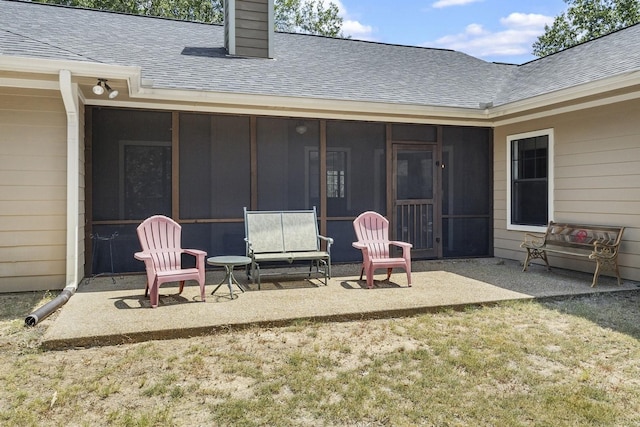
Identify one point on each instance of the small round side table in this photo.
(229, 262)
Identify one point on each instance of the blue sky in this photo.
(493, 30)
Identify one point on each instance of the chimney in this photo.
(249, 28)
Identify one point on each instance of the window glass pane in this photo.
(529, 183)
(288, 173)
(131, 164)
(356, 168)
(529, 203)
(215, 176)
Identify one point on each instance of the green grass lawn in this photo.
(570, 362)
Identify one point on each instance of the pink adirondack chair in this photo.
(372, 231)
(161, 252)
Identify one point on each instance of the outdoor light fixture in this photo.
(301, 128)
(101, 86)
(98, 89)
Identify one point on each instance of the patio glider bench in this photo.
(594, 242)
(285, 236)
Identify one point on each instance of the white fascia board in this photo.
(568, 109)
(335, 114)
(595, 88)
(77, 69)
(307, 107)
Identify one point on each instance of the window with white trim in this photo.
(530, 180)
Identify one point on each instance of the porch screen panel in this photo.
(131, 180)
(343, 235)
(356, 168)
(466, 237)
(215, 238)
(416, 133)
(131, 164)
(288, 170)
(114, 246)
(466, 192)
(215, 165)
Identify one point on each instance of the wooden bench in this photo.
(288, 236)
(595, 242)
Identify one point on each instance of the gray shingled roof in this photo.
(186, 55)
(615, 54)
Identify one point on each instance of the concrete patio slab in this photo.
(113, 310)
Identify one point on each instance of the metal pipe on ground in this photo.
(44, 311)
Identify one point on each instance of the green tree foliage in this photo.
(585, 20)
(303, 16)
(209, 11)
(309, 17)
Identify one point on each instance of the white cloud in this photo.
(475, 29)
(446, 3)
(519, 33)
(351, 27)
(524, 20)
(357, 30)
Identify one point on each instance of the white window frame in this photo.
(550, 178)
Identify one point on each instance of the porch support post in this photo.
(70, 100)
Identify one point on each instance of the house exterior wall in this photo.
(596, 179)
(32, 190)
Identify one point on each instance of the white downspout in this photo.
(70, 99)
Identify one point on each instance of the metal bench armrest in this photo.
(602, 250)
(533, 240)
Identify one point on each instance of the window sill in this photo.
(530, 228)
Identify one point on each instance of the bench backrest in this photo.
(582, 236)
(282, 231)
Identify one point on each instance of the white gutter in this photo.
(70, 100)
